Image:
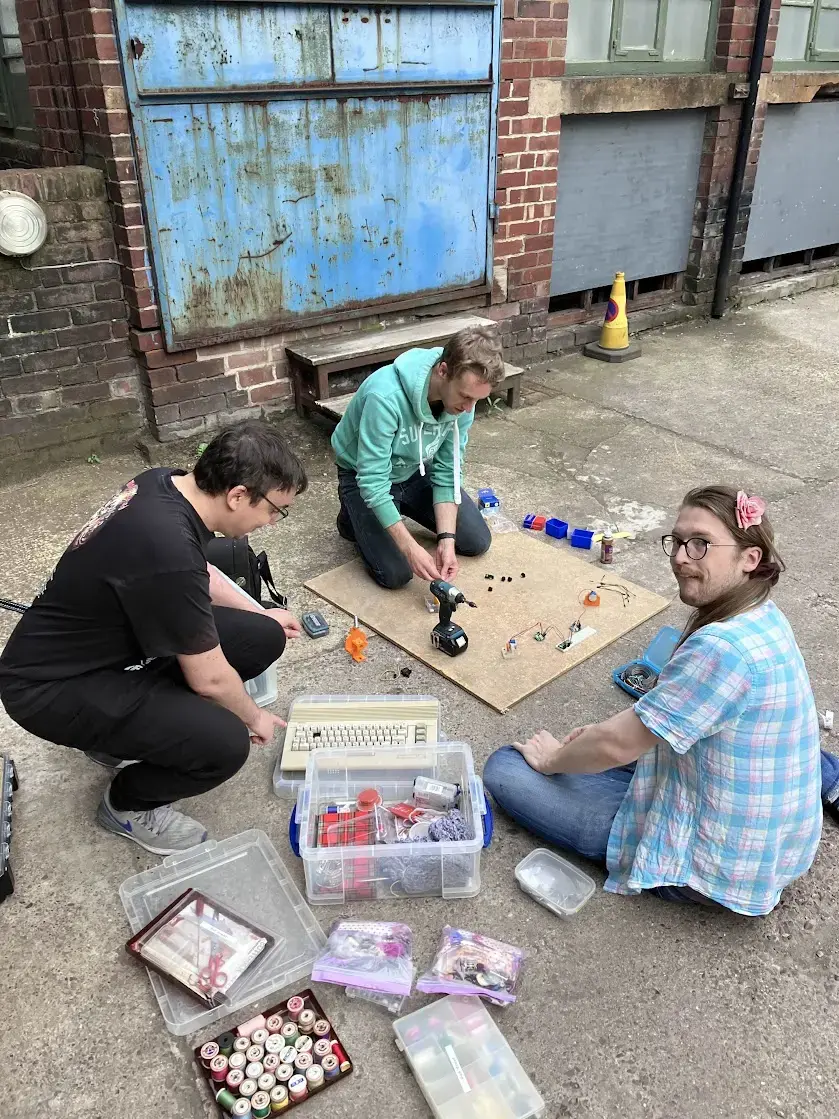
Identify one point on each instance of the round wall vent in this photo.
(23, 224)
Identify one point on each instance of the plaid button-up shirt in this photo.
(729, 801)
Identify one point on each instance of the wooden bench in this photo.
(310, 363)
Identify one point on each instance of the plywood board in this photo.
(555, 583)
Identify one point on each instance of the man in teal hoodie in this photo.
(399, 449)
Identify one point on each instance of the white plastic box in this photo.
(338, 874)
(464, 1064)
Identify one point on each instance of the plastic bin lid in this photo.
(247, 874)
(661, 648)
(554, 882)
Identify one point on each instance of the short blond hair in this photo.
(475, 349)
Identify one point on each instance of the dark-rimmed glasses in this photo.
(281, 511)
(696, 547)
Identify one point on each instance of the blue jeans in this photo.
(414, 499)
(576, 811)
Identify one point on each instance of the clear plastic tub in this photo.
(464, 1064)
(246, 873)
(339, 874)
(554, 882)
(263, 688)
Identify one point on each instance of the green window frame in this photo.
(814, 56)
(626, 58)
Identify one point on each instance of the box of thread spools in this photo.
(400, 823)
(274, 1061)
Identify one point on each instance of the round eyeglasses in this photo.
(696, 547)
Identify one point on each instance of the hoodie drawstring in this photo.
(456, 462)
(421, 463)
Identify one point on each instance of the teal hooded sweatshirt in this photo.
(388, 433)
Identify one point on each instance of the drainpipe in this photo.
(741, 157)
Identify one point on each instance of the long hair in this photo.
(721, 501)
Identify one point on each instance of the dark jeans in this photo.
(414, 499)
(184, 744)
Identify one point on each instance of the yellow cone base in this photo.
(594, 349)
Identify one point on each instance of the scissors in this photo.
(212, 977)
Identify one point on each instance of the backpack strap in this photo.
(264, 569)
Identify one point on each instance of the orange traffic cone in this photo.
(614, 344)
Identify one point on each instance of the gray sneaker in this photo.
(162, 831)
(108, 761)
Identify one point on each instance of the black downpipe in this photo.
(741, 158)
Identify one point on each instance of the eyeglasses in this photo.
(281, 511)
(696, 548)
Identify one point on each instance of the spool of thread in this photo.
(303, 1061)
(322, 1049)
(254, 1053)
(259, 1037)
(237, 1060)
(295, 1006)
(330, 1067)
(254, 1070)
(306, 1021)
(279, 1098)
(242, 1109)
(321, 1028)
(207, 1052)
(246, 1029)
(225, 1043)
(234, 1079)
(274, 1024)
(290, 1033)
(303, 1044)
(275, 1044)
(298, 1088)
(248, 1088)
(241, 1044)
(225, 1099)
(314, 1078)
(218, 1067)
(343, 1059)
(284, 1073)
(271, 1062)
(288, 1054)
(261, 1105)
(266, 1082)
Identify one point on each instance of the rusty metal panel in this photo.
(268, 210)
(218, 47)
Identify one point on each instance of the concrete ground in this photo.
(635, 1007)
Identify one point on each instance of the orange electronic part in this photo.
(538, 523)
(592, 599)
(356, 642)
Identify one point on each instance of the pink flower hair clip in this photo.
(750, 509)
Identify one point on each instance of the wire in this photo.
(15, 607)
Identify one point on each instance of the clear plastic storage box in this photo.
(365, 871)
(554, 882)
(463, 1063)
(246, 873)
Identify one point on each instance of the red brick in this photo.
(156, 359)
(513, 70)
(527, 125)
(82, 394)
(250, 377)
(548, 67)
(274, 391)
(512, 213)
(546, 29)
(201, 370)
(168, 413)
(541, 175)
(530, 48)
(512, 144)
(158, 378)
(512, 108)
(146, 340)
(247, 360)
(518, 28)
(125, 367)
(524, 228)
(509, 179)
(174, 394)
(189, 409)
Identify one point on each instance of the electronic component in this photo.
(487, 499)
(315, 624)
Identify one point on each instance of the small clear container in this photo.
(554, 882)
(464, 1064)
(246, 873)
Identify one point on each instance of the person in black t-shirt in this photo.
(136, 649)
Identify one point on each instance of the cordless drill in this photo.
(447, 636)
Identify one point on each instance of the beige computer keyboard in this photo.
(357, 722)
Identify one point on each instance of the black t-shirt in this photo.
(132, 586)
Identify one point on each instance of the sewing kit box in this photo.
(362, 869)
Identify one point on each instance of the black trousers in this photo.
(183, 744)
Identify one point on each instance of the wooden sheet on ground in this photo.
(551, 593)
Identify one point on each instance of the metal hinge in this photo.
(492, 212)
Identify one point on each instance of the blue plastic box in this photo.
(488, 500)
(581, 537)
(654, 658)
(556, 528)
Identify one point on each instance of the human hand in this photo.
(575, 733)
(540, 751)
(421, 563)
(447, 560)
(290, 624)
(263, 727)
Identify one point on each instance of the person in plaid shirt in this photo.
(709, 789)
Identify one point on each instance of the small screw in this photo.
(489, 588)
(523, 575)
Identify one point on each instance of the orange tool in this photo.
(356, 642)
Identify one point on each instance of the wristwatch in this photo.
(445, 536)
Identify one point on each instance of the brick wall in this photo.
(734, 47)
(68, 379)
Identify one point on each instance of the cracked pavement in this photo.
(635, 1008)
